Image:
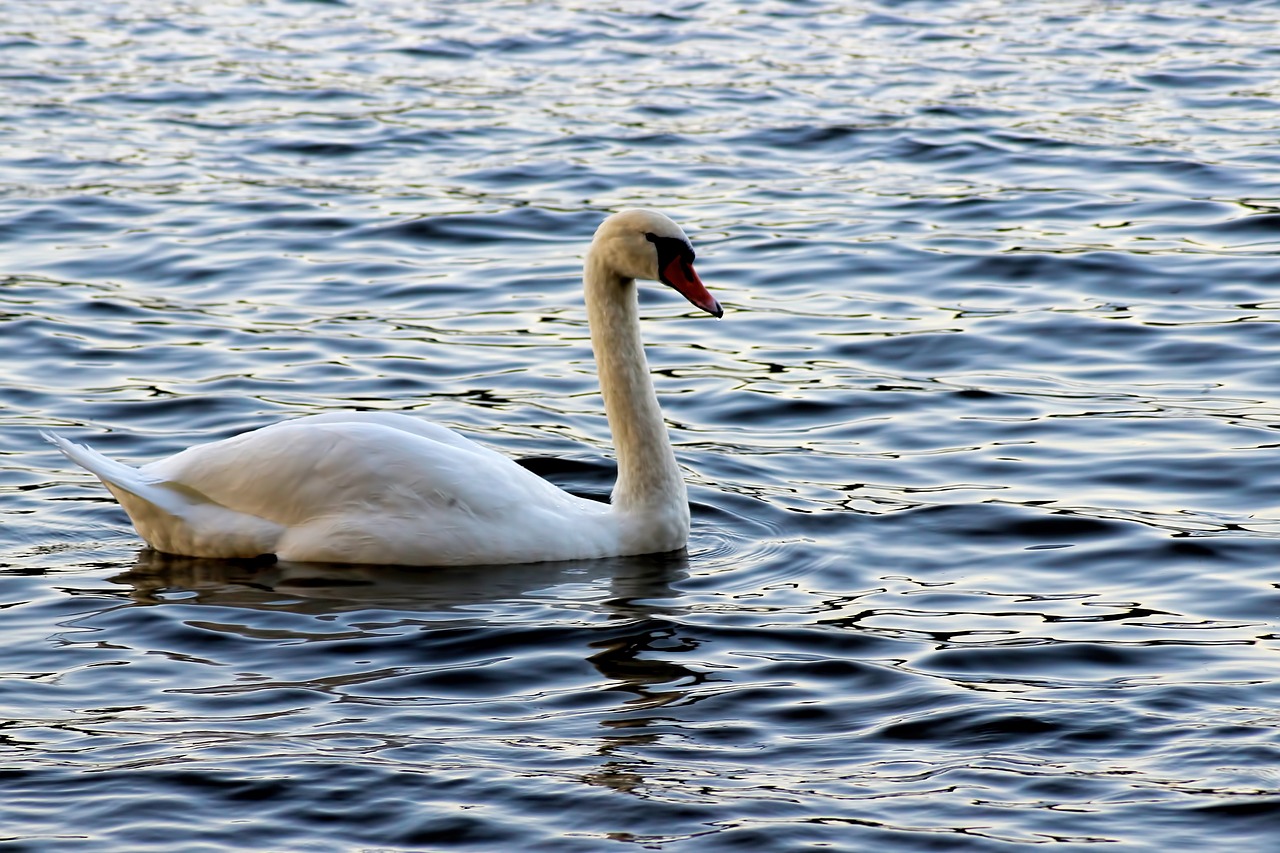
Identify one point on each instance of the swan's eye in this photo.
(672, 250)
(671, 247)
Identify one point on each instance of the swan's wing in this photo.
(353, 490)
(360, 491)
(296, 471)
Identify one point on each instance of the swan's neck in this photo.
(649, 482)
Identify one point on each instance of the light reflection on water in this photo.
(978, 457)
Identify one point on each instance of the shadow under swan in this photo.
(623, 583)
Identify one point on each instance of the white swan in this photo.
(380, 487)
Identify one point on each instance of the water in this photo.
(981, 456)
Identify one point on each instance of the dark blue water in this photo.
(983, 455)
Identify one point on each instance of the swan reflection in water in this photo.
(636, 648)
(634, 583)
(617, 615)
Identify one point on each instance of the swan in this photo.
(387, 488)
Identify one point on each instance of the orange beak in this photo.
(681, 276)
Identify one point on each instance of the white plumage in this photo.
(380, 487)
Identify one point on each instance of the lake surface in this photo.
(984, 456)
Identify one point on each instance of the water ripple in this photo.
(983, 521)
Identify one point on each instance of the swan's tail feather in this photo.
(117, 475)
(91, 460)
(173, 517)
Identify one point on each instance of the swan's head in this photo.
(645, 244)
